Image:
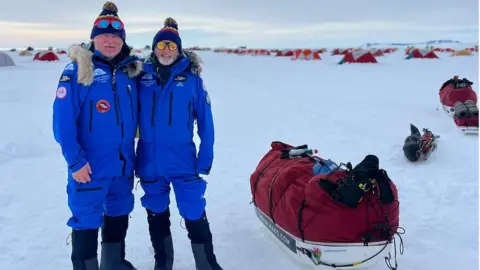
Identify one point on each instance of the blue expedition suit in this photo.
(166, 152)
(96, 123)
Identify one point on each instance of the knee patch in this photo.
(120, 199)
(190, 197)
(157, 194)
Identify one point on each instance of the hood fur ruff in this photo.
(195, 67)
(83, 58)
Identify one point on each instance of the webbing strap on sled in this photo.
(315, 255)
(315, 258)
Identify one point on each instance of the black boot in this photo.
(159, 228)
(113, 244)
(202, 246)
(84, 249)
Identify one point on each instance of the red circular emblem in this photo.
(103, 106)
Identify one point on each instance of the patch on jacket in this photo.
(100, 75)
(147, 76)
(65, 78)
(103, 106)
(180, 78)
(61, 92)
(147, 80)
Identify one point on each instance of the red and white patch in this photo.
(61, 92)
(103, 106)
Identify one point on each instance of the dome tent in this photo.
(6, 60)
(46, 56)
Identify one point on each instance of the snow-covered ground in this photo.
(344, 111)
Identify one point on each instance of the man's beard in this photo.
(166, 61)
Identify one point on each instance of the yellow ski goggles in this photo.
(172, 46)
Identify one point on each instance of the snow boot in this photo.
(114, 233)
(202, 246)
(84, 249)
(472, 108)
(461, 110)
(161, 237)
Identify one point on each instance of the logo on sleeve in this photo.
(180, 78)
(103, 106)
(61, 92)
(65, 78)
(207, 98)
(69, 67)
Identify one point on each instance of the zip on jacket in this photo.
(90, 118)
(129, 92)
(170, 109)
(118, 116)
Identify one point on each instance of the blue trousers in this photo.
(189, 194)
(88, 202)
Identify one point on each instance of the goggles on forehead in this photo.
(105, 22)
(172, 46)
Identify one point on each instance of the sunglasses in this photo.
(104, 23)
(172, 46)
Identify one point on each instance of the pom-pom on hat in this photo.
(168, 32)
(110, 14)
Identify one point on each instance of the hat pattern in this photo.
(110, 11)
(168, 32)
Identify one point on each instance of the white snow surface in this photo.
(344, 111)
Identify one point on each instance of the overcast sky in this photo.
(254, 23)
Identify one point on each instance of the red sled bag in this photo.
(459, 101)
(347, 205)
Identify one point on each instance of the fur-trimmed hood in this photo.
(195, 60)
(83, 58)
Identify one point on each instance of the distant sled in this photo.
(326, 216)
(459, 101)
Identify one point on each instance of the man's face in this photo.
(108, 45)
(166, 52)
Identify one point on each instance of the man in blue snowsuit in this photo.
(95, 122)
(171, 97)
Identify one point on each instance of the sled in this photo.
(468, 130)
(450, 112)
(455, 90)
(339, 218)
(326, 256)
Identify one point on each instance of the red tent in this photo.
(422, 54)
(46, 56)
(358, 57)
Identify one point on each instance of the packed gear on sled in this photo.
(326, 214)
(459, 101)
(418, 146)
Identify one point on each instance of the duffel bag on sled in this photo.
(326, 215)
